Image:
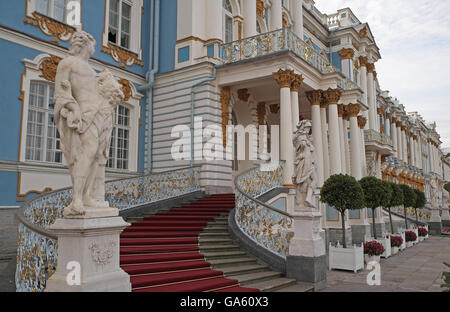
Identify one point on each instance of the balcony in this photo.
(281, 40)
(378, 142)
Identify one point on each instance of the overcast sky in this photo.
(414, 41)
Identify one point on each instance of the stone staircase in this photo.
(220, 251)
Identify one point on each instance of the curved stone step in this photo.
(243, 269)
(257, 277)
(221, 263)
(272, 284)
(223, 254)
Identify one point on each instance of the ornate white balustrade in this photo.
(37, 248)
(265, 225)
(377, 137)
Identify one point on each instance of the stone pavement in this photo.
(416, 269)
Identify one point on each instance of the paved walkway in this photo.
(416, 269)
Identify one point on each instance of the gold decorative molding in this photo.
(225, 97)
(388, 116)
(51, 27)
(356, 64)
(243, 95)
(347, 54)
(274, 108)
(284, 78)
(48, 68)
(363, 61)
(285, 22)
(297, 83)
(332, 96)
(341, 110)
(126, 88)
(261, 112)
(370, 68)
(239, 23)
(380, 111)
(124, 57)
(260, 9)
(353, 110)
(363, 32)
(362, 122)
(394, 120)
(314, 97)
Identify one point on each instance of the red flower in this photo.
(410, 236)
(396, 241)
(423, 232)
(373, 248)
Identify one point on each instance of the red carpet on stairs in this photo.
(161, 253)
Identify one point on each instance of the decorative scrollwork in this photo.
(51, 27)
(124, 57)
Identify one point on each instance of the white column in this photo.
(294, 107)
(284, 79)
(341, 137)
(348, 167)
(277, 15)
(325, 150)
(399, 143)
(430, 157)
(332, 96)
(298, 18)
(355, 141)
(370, 98)
(387, 126)
(363, 85)
(214, 25)
(404, 147)
(249, 18)
(363, 151)
(413, 151)
(394, 138)
(315, 98)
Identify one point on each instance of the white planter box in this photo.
(386, 242)
(395, 250)
(369, 259)
(402, 234)
(351, 259)
(421, 238)
(409, 244)
(416, 230)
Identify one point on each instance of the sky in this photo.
(414, 41)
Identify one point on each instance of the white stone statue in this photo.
(305, 175)
(84, 116)
(434, 196)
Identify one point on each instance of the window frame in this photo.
(51, 10)
(119, 28)
(113, 157)
(135, 38)
(227, 14)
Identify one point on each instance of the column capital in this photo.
(314, 97)
(260, 9)
(297, 82)
(362, 122)
(353, 110)
(380, 111)
(363, 61)
(284, 78)
(399, 124)
(370, 68)
(332, 96)
(341, 110)
(388, 116)
(347, 54)
(394, 121)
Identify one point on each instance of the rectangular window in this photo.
(119, 31)
(55, 9)
(120, 140)
(42, 141)
(228, 29)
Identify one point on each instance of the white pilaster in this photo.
(298, 18)
(249, 18)
(277, 15)
(333, 120)
(371, 104)
(341, 137)
(325, 150)
(355, 141)
(315, 98)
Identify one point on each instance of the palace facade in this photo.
(230, 62)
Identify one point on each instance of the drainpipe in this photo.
(153, 64)
(193, 109)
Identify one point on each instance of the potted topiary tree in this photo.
(409, 199)
(419, 203)
(396, 199)
(374, 196)
(343, 192)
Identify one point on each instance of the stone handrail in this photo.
(37, 247)
(267, 226)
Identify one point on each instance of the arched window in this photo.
(228, 21)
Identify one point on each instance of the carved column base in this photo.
(88, 256)
(307, 256)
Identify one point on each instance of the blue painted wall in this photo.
(336, 61)
(168, 35)
(8, 188)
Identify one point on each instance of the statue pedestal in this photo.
(306, 261)
(88, 255)
(445, 217)
(435, 222)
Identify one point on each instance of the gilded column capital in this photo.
(362, 122)
(388, 116)
(314, 97)
(353, 110)
(332, 96)
(370, 68)
(398, 124)
(260, 9)
(341, 110)
(347, 54)
(297, 82)
(363, 61)
(394, 121)
(356, 64)
(380, 111)
(284, 78)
